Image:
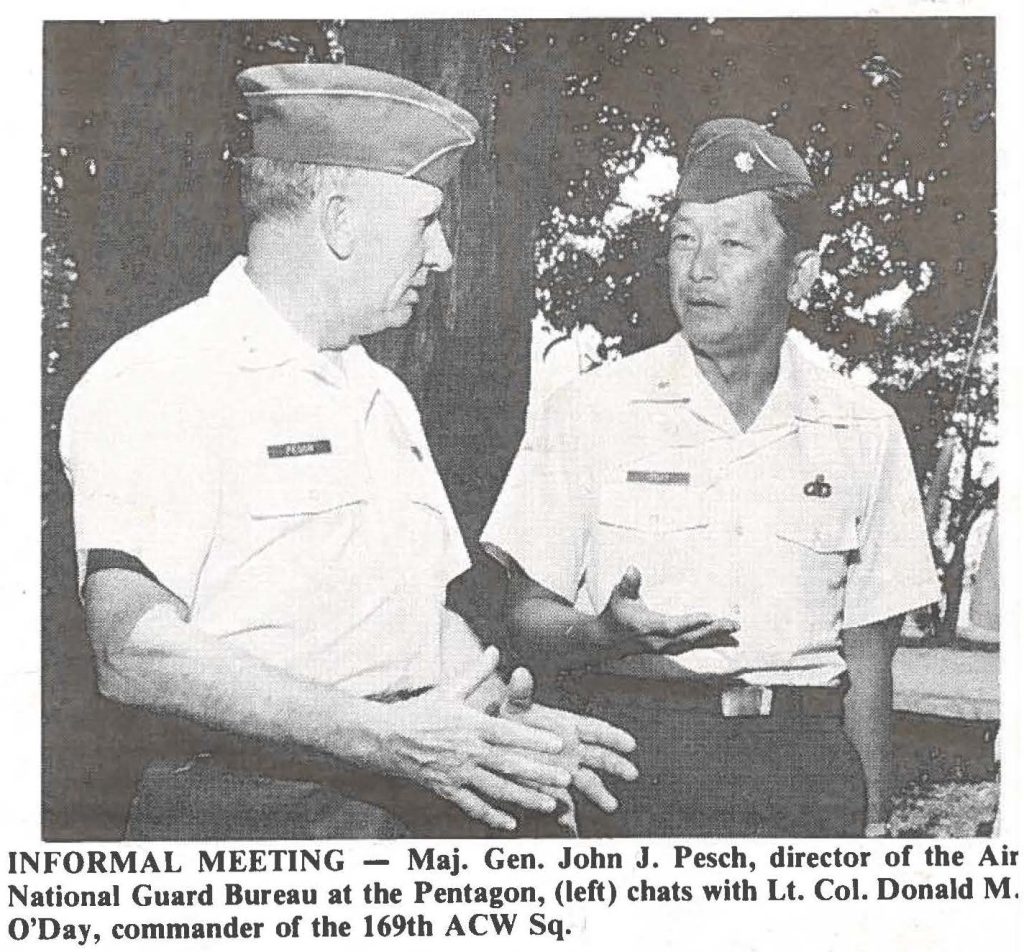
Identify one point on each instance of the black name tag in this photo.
(658, 476)
(308, 448)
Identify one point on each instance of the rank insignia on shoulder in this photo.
(306, 448)
(818, 488)
(417, 452)
(658, 476)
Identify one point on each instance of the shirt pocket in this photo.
(662, 529)
(819, 500)
(656, 493)
(652, 508)
(302, 486)
(828, 531)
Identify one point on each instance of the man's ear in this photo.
(337, 226)
(803, 273)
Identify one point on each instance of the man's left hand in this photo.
(590, 744)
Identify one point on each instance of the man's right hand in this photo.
(440, 742)
(629, 627)
(149, 655)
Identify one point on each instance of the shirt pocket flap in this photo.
(828, 532)
(652, 507)
(301, 486)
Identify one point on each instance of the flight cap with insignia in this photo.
(332, 114)
(732, 156)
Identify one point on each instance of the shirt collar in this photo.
(677, 379)
(805, 385)
(260, 338)
(674, 376)
(780, 407)
(263, 338)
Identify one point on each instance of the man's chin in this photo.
(397, 316)
(400, 315)
(698, 327)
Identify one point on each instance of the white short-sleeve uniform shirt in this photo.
(288, 499)
(807, 523)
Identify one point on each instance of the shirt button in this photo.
(739, 530)
(734, 610)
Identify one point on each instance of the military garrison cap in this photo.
(731, 156)
(330, 114)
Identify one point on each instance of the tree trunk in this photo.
(952, 589)
(466, 354)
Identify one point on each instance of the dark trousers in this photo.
(793, 773)
(201, 799)
(226, 797)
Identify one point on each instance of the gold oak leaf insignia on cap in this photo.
(744, 161)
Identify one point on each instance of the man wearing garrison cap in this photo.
(263, 539)
(722, 493)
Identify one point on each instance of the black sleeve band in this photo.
(116, 559)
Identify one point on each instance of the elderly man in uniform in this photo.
(722, 477)
(263, 539)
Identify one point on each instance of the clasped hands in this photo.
(477, 741)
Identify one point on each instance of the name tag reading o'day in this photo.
(658, 477)
(305, 448)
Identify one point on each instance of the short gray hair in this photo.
(275, 189)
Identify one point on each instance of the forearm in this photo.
(553, 636)
(148, 653)
(868, 723)
(867, 710)
(206, 681)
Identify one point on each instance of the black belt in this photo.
(729, 699)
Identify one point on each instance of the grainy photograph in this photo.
(471, 428)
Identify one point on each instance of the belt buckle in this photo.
(747, 700)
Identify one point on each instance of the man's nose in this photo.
(438, 256)
(703, 263)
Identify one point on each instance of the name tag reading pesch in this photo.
(665, 477)
(308, 448)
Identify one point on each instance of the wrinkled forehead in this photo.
(752, 207)
(752, 211)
